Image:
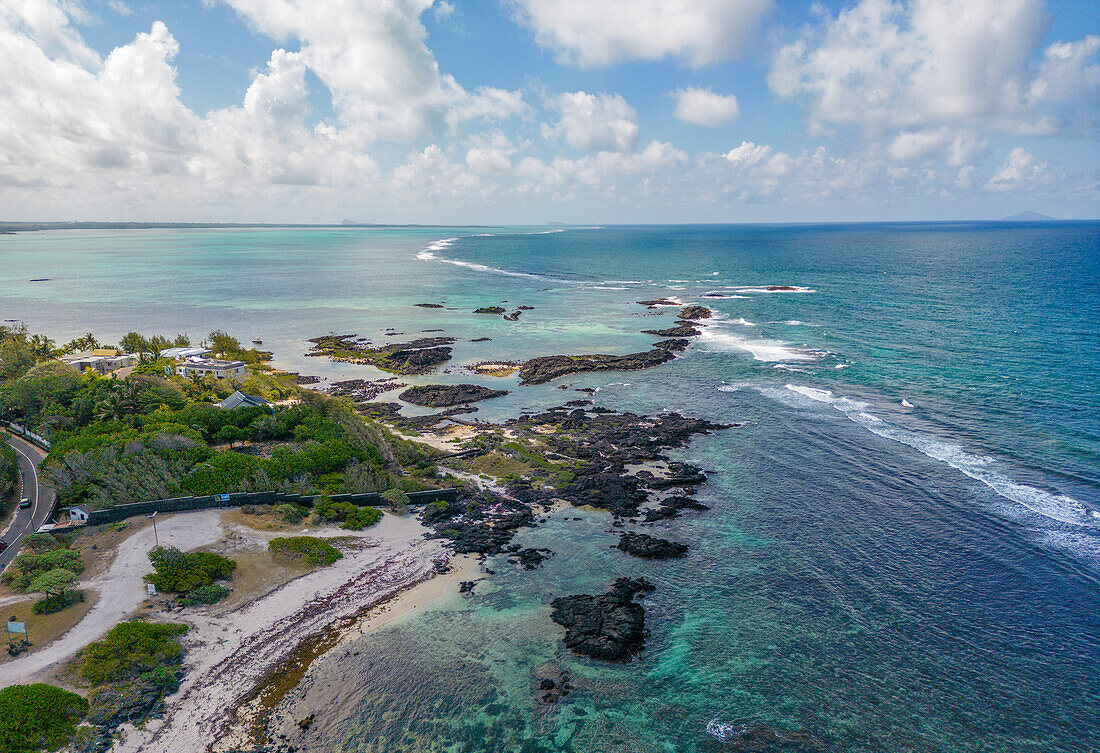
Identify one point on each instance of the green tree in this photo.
(399, 500)
(133, 343)
(55, 583)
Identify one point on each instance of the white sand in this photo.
(228, 655)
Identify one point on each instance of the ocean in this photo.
(902, 551)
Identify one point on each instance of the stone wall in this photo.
(236, 499)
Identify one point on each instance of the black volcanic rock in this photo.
(670, 507)
(672, 346)
(694, 312)
(489, 310)
(650, 547)
(416, 361)
(610, 626)
(683, 329)
(545, 368)
(429, 305)
(445, 395)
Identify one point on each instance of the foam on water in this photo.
(429, 254)
(716, 337)
(1059, 507)
(770, 289)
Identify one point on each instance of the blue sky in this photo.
(524, 111)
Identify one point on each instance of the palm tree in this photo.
(112, 408)
(43, 347)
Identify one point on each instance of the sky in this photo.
(533, 111)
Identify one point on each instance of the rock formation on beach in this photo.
(446, 395)
(609, 626)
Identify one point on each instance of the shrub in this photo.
(291, 513)
(9, 472)
(29, 566)
(204, 595)
(313, 550)
(131, 649)
(399, 501)
(38, 717)
(177, 572)
(56, 603)
(360, 518)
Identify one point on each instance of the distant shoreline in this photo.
(10, 228)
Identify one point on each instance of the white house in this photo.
(187, 352)
(100, 360)
(211, 367)
(78, 515)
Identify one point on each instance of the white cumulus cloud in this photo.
(1020, 170)
(928, 63)
(593, 33)
(593, 122)
(705, 108)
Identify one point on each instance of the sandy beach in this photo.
(228, 655)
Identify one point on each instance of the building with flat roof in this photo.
(99, 360)
(184, 352)
(210, 367)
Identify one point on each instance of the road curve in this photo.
(42, 497)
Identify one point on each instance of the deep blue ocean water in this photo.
(903, 546)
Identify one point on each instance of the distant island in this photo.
(1027, 216)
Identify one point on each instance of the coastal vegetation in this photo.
(130, 670)
(9, 476)
(183, 572)
(151, 436)
(38, 717)
(309, 549)
(47, 566)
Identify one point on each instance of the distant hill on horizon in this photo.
(1027, 216)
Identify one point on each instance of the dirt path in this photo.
(121, 590)
(228, 655)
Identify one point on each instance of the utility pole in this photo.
(155, 536)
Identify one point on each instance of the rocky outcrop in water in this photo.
(609, 626)
(546, 368)
(445, 395)
(683, 329)
(489, 310)
(694, 312)
(650, 547)
(414, 357)
(429, 305)
(671, 507)
(673, 346)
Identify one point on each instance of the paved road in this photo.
(41, 497)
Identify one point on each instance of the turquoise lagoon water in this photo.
(902, 551)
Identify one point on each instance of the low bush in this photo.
(210, 594)
(312, 550)
(177, 572)
(38, 717)
(292, 513)
(130, 650)
(352, 517)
